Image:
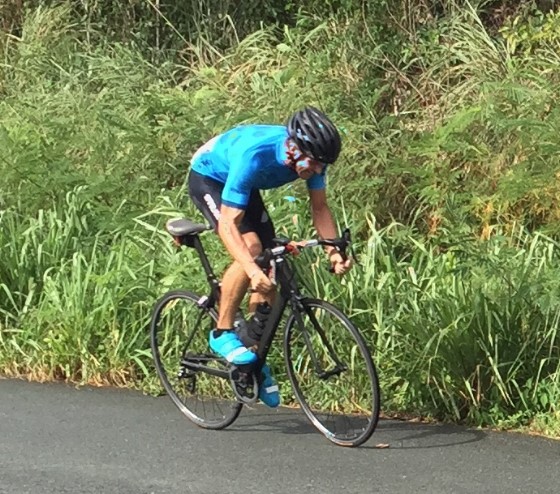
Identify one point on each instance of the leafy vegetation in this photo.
(449, 177)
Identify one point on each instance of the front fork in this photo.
(298, 309)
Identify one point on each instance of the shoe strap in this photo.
(236, 353)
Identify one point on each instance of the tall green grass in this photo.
(466, 333)
(469, 334)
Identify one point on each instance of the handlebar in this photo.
(286, 246)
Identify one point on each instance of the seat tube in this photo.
(210, 275)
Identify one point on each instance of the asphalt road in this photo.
(58, 439)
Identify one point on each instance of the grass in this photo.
(469, 335)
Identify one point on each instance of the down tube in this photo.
(271, 327)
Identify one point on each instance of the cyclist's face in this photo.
(307, 167)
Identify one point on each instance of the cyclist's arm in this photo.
(235, 198)
(323, 220)
(326, 228)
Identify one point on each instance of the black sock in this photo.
(220, 332)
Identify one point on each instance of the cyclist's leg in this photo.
(258, 222)
(235, 284)
(206, 195)
(257, 231)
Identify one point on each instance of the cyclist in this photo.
(224, 181)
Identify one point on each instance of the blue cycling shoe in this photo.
(268, 390)
(229, 346)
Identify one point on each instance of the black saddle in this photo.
(180, 227)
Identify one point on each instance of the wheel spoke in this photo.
(332, 373)
(179, 334)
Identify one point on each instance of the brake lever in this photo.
(348, 238)
(263, 259)
(281, 241)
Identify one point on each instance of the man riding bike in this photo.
(224, 182)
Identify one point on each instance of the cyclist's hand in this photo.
(294, 247)
(339, 265)
(261, 283)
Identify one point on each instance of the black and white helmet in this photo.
(315, 135)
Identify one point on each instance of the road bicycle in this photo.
(328, 364)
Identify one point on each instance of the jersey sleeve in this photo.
(239, 183)
(317, 182)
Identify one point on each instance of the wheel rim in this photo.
(343, 407)
(205, 399)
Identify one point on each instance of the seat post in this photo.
(210, 275)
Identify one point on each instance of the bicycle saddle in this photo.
(179, 227)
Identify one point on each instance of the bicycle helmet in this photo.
(315, 135)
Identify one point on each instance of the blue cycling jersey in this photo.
(246, 158)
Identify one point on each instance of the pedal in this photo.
(244, 384)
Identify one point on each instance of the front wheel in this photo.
(332, 373)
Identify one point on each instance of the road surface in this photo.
(55, 438)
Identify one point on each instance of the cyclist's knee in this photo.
(253, 243)
(255, 249)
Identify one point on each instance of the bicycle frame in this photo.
(215, 285)
(314, 328)
(288, 292)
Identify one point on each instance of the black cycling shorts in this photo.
(206, 193)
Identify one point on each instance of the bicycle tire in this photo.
(351, 397)
(198, 390)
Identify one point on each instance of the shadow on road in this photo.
(397, 434)
(410, 435)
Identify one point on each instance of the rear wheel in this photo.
(332, 373)
(179, 339)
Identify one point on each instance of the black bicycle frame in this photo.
(289, 292)
(213, 281)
